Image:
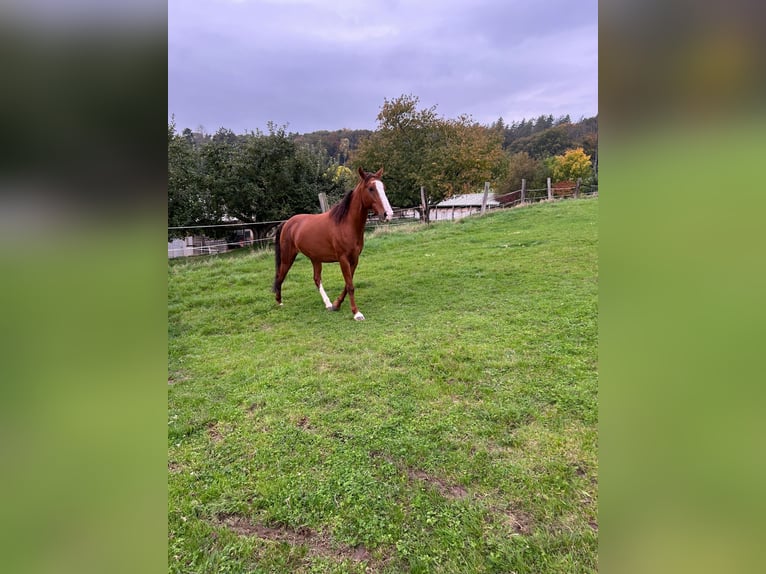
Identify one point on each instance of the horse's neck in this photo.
(357, 213)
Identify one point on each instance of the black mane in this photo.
(340, 210)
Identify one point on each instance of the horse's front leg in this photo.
(348, 268)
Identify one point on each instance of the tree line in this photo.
(253, 177)
(269, 176)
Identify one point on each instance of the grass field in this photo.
(455, 430)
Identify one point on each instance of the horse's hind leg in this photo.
(318, 282)
(287, 258)
(339, 300)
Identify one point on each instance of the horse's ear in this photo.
(379, 173)
(361, 173)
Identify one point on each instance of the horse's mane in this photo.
(339, 211)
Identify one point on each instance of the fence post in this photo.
(323, 201)
(484, 199)
(523, 190)
(577, 187)
(550, 191)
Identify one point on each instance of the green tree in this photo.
(188, 202)
(256, 177)
(552, 141)
(543, 123)
(522, 166)
(220, 177)
(417, 147)
(341, 179)
(279, 178)
(401, 145)
(469, 155)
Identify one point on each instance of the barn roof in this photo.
(468, 200)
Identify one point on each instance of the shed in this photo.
(462, 206)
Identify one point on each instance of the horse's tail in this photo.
(277, 255)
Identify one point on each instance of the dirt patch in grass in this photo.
(304, 423)
(255, 407)
(511, 518)
(214, 433)
(518, 521)
(318, 544)
(450, 491)
(177, 377)
(447, 490)
(579, 469)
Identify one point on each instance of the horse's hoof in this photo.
(358, 316)
(330, 308)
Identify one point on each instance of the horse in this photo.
(336, 236)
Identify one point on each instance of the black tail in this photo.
(277, 255)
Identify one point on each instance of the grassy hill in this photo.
(455, 430)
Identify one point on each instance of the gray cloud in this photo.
(327, 65)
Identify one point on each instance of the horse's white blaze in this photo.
(359, 316)
(325, 298)
(382, 193)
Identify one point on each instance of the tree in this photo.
(535, 137)
(522, 166)
(188, 204)
(470, 154)
(417, 147)
(279, 177)
(404, 138)
(541, 145)
(341, 180)
(220, 177)
(570, 166)
(253, 178)
(543, 123)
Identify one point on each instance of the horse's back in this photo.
(311, 234)
(303, 224)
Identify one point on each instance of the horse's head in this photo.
(375, 193)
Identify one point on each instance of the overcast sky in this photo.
(329, 64)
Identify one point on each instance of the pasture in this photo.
(454, 430)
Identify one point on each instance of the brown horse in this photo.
(334, 236)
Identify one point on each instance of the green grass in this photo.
(455, 430)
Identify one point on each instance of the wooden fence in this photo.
(550, 192)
